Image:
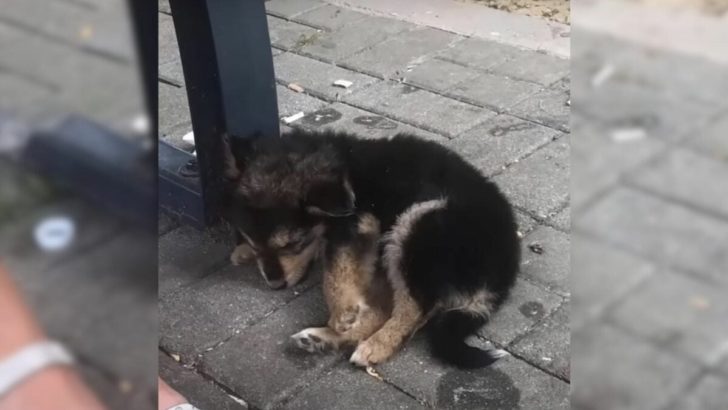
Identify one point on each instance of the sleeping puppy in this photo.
(449, 248)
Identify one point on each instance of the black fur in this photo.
(470, 245)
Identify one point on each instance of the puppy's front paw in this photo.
(312, 340)
(243, 253)
(370, 352)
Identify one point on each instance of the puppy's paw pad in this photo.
(310, 341)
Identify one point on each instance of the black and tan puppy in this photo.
(449, 248)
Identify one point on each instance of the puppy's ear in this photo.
(331, 198)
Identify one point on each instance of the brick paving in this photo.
(503, 108)
(650, 226)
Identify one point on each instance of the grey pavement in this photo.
(60, 57)
(503, 108)
(650, 226)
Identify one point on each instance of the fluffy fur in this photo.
(449, 246)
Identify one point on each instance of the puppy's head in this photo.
(279, 192)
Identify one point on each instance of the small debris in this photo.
(295, 87)
(495, 34)
(343, 83)
(189, 137)
(140, 124)
(546, 359)
(519, 234)
(175, 357)
(604, 74)
(55, 233)
(699, 303)
(239, 400)
(125, 386)
(373, 372)
(194, 153)
(536, 248)
(568, 102)
(628, 134)
(294, 117)
(86, 32)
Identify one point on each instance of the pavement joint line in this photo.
(489, 70)
(524, 157)
(520, 336)
(689, 386)
(525, 360)
(273, 13)
(165, 13)
(690, 273)
(166, 80)
(48, 86)
(81, 5)
(32, 30)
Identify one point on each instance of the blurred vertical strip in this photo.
(650, 199)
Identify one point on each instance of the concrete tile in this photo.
(353, 38)
(261, 363)
(166, 223)
(500, 142)
(621, 372)
(168, 48)
(187, 255)
(201, 316)
(668, 176)
(164, 6)
(171, 72)
(289, 35)
(329, 17)
(547, 107)
(662, 231)
(509, 383)
(534, 67)
(601, 275)
(551, 267)
(548, 344)
(317, 78)
(525, 222)
(539, 183)
(173, 108)
(419, 107)
(200, 392)
(20, 96)
(527, 305)
(347, 387)
(494, 91)
(562, 220)
(480, 54)
(342, 117)
(389, 59)
(438, 75)
(711, 140)
(677, 313)
(709, 393)
(290, 8)
(291, 102)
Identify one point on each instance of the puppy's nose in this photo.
(277, 284)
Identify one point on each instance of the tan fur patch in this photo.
(243, 253)
(480, 303)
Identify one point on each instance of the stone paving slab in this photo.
(548, 344)
(164, 6)
(390, 58)
(527, 305)
(480, 54)
(667, 177)
(291, 102)
(419, 107)
(548, 107)
(509, 383)
(174, 110)
(288, 35)
(677, 313)
(187, 255)
(500, 142)
(538, 68)
(562, 220)
(26, 94)
(496, 92)
(342, 117)
(709, 393)
(117, 396)
(201, 393)
(261, 364)
(595, 264)
(712, 140)
(290, 8)
(539, 183)
(607, 364)
(329, 17)
(317, 77)
(658, 230)
(353, 38)
(439, 75)
(168, 48)
(545, 259)
(204, 314)
(347, 387)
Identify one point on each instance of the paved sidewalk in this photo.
(650, 265)
(224, 335)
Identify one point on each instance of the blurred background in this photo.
(76, 165)
(650, 220)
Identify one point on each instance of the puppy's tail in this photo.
(447, 332)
